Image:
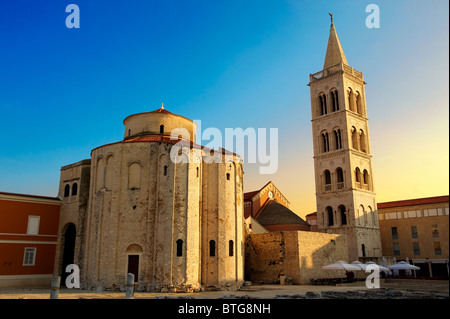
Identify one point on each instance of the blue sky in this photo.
(228, 63)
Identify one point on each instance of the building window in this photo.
(435, 231)
(343, 213)
(340, 178)
(334, 101)
(212, 248)
(179, 248)
(437, 248)
(74, 189)
(33, 225)
(330, 216)
(358, 177)
(416, 249)
(337, 139)
(231, 248)
(362, 141)
(327, 176)
(197, 171)
(67, 190)
(322, 104)
(414, 232)
(325, 142)
(165, 170)
(394, 232)
(354, 138)
(161, 129)
(358, 103)
(228, 176)
(29, 256)
(396, 249)
(363, 250)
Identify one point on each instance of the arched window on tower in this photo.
(74, 189)
(337, 139)
(334, 100)
(330, 216)
(340, 178)
(322, 104)
(327, 180)
(362, 141)
(161, 129)
(358, 103)
(366, 179)
(325, 142)
(343, 214)
(358, 177)
(354, 138)
(67, 190)
(351, 101)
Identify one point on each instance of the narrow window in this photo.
(228, 176)
(33, 225)
(394, 232)
(416, 249)
(231, 248)
(396, 247)
(212, 248)
(437, 248)
(29, 257)
(358, 176)
(197, 171)
(340, 178)
(165, 170)
(67, 190)
(414, 233)
(336, 100)
(74, 189)
(161, 129)
(343, 213)
(129, 132)
(325, 142)
(354, 138)
(362, 141)
(330, 216)
(435, 231)
(358, 103)
(363, 250)
(327, 176)
(179, 248)
(333, 102)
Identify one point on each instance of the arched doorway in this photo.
(68, 250)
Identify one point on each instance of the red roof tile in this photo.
(417, 201)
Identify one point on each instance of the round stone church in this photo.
(156, 205)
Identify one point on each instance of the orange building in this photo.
(268, 210)
(28, 235)
(417, 230)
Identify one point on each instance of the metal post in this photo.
(54, 292)
(130, 286)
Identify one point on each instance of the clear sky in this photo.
(229, 64)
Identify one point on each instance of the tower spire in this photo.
(334, 54)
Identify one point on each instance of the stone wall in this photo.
(299, 255)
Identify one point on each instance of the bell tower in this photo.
(345, 193)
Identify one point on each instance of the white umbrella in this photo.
(403, 266)
(359, 264)
(381, 268)
(341, 265)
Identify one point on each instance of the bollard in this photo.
(54, 292)
(130, 286)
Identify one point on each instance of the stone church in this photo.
(155, 205)
(173, 219)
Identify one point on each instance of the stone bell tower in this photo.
(345, 193)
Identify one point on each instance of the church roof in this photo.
(274, 213)
(335, 55)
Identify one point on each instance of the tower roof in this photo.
(335, 54)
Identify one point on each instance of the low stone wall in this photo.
(299, 255)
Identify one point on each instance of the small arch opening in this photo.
(212, 248)
(179, 248)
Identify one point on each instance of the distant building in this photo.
(28, 236)
(311, 219)
(417, 229)
(268, 210)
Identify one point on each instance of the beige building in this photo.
(167, 210)
(418, 230)
(345, 193)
